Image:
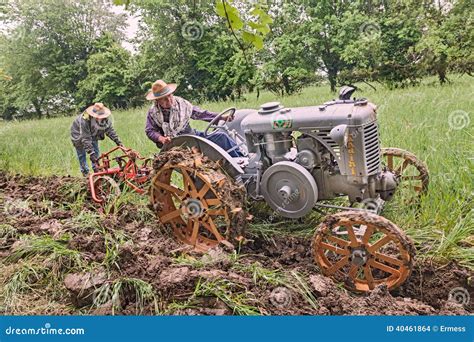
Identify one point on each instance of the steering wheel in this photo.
(212, 125)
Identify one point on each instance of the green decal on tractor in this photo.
(282, 123)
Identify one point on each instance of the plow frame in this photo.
(133, 170)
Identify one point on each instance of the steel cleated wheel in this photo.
(412, 173)
(195, 200)
(363, 250)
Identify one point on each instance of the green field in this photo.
(416, 119)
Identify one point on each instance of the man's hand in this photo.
(164, 140)
(95, 167)
(227, 117)
(95, 162)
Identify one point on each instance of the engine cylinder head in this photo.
(277, 145)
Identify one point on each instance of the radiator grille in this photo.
(372, 148)
(324, 135)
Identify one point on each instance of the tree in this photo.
(189, 45)
(285, 70)
(284, 67)
(250, 28)
(326, 35)
(108, 78)
(458, 33)
(45, 50)
(253, 27)
(365, 41)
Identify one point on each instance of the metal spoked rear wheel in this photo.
(196, 201)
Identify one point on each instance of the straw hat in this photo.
(98, 110)
(160, 89)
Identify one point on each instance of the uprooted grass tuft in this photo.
(7, 231)
(22, 280)
(235, 296)
(293, 280)
(117, 291)
(184, 259)
(262, 275)
(121, 204)
(56, 252)
(74, 195)
(77, 205)
(113, 242)
(300, 285)
(267, 230)
(86, 222)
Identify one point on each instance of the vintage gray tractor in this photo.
(295, 159)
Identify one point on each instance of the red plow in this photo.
(119, 168)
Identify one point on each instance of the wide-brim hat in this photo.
(98, 110)
(160, 89)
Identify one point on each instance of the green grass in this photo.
(412, 118)
(113, 241)
(261, 274)
(415, 119)
(113, 292)
(299, 284)
(235, 296)
(55, 250)
(7, 231)
(22, 280)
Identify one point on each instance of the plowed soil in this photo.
(264, 276)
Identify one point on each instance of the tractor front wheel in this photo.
(363, 250)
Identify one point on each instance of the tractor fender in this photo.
(211, 150)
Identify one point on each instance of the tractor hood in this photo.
(272, 116)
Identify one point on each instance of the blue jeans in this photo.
(82, 156)
(223, 140)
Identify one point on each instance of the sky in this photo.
(132, 28)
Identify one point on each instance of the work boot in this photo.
(85, 174)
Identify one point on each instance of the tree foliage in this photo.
(59, 56)
(108, 79)
(189, 45)
(253, 29)
(45, 51)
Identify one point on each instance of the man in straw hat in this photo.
(169, 117)
(89, 127)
